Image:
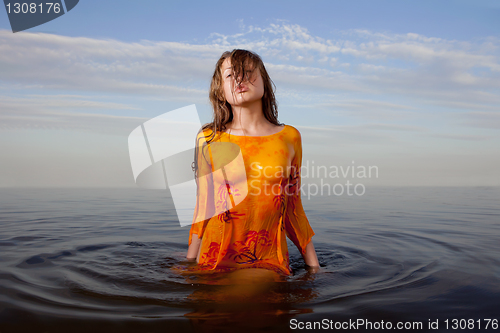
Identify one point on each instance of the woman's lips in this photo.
(241, 89)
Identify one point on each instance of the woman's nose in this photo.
(240, 79)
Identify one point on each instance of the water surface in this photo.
(85, 258)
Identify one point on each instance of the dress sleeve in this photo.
(204, 208)
(297, 225)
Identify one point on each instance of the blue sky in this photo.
(409, 86)
(190, 20)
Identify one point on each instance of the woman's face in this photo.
(248, 91)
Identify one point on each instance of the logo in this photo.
(162, 151)
(28, 14)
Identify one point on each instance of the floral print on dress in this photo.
(224, 193)
(247, 251)
(293, 189)
(210, 257)
(280, 199)
(224, 202)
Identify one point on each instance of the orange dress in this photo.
(251, 233)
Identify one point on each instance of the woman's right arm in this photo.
(204, 209)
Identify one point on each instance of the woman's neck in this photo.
(249, 118)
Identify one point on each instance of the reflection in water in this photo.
(238, 298)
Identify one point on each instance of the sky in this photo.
(409, 87)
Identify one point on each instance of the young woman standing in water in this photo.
(253, 233)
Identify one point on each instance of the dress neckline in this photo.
(256, 136)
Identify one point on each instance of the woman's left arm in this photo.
(297, 225)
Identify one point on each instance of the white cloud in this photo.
(481, 119)
(65, 113)
(390, 94)
(376, 63)
(463, 137)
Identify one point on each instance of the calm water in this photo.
(93, 259)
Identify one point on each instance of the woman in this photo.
(251, 234)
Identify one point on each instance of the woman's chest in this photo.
(267, 160)
(255, 159)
